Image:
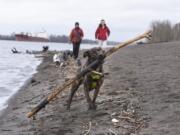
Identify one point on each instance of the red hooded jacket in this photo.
(76, 35)
(102, 33)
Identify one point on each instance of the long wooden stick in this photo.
(96, 63)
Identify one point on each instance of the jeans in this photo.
(76, 47)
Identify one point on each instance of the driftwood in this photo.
(96, 63)
(141, 125)
(87, 132)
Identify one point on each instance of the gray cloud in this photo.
(125, 18)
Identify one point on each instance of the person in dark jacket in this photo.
(102, 33)
(76, 36)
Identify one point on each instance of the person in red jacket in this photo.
(102, 33)
(76, 36)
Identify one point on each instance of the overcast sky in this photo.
(124, 18)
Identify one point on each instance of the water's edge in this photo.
(14, 96)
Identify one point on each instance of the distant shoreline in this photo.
(56, 39)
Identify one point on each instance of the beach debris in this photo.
(61, 58)
(128, 119)
(14, 50)
(115, 120)
(15, 108)
(34, 117)
(114, 113)
(141, 125)
(6, 130)
(87, 132)
(33, 80)
(57, 90)
(57, 59)
(79, 62)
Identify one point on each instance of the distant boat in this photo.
(38, 37)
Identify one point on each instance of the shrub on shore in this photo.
(164, 31)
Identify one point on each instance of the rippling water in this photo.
(15, 69)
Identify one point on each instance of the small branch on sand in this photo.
(6, 130)
(129, 130)
(141, 125)
(128, 118)
(130, 114)
(89, 129)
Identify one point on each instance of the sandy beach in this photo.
(141, 93)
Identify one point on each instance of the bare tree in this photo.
(161, 31)
(176, 32)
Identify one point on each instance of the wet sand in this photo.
(141, 93)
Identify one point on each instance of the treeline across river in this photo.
(165, 31)
(162, 31)
(57, 39)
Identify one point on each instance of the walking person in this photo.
(76, 36)
(102, 33)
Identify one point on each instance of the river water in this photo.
(15, 69)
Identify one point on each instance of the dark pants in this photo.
(76, 49)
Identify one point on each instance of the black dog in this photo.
(45, 48)
(91, 81)
(66, 54)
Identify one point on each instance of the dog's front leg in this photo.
(96, 92)
(88, 98)
(74, 88)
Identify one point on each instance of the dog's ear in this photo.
(86, 54)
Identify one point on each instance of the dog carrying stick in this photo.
(96, 63)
